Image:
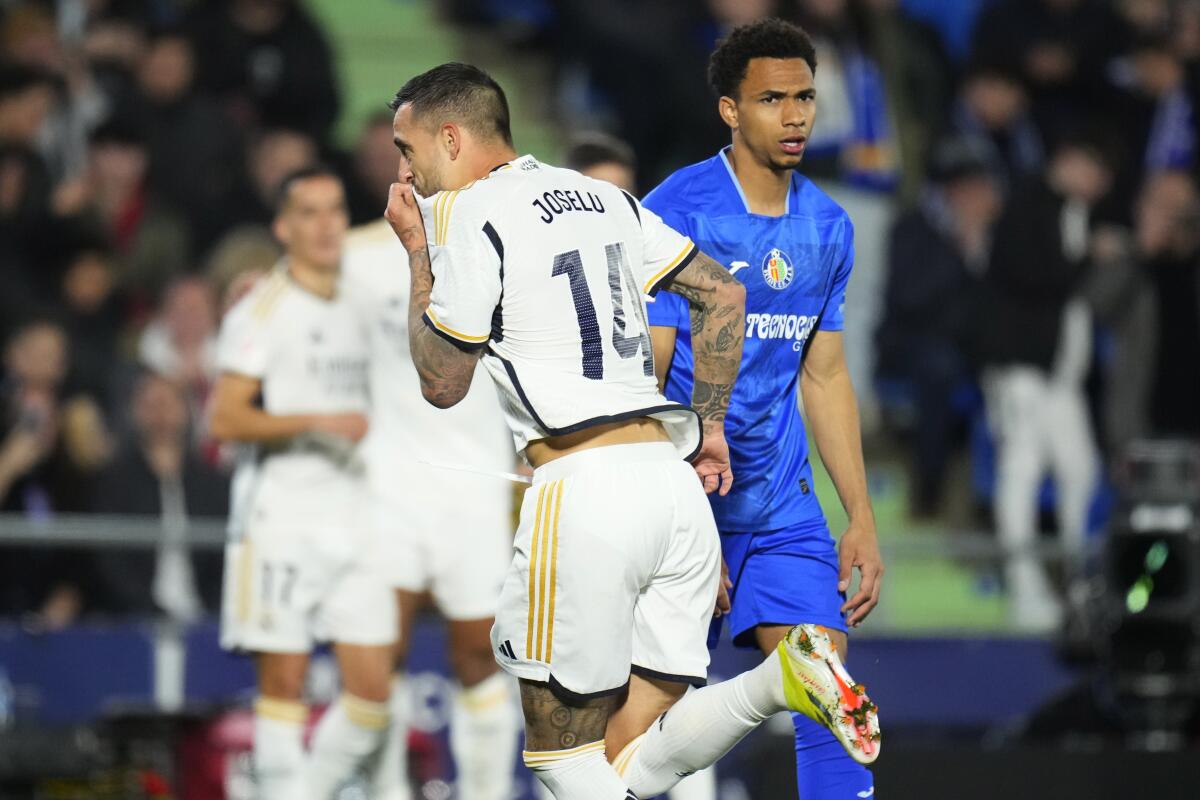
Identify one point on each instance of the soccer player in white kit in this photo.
(300, 566)
(443, 514)
(616, 569)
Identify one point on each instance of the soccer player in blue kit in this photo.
(793, 248)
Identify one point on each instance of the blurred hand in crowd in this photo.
(1167, 215)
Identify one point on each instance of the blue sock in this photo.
(824, 771)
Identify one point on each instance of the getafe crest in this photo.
(777, 269)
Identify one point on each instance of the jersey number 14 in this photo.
(620, 275)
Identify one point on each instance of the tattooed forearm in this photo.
(711, 400)
(551, 724)
(717, 308)
(445, 371)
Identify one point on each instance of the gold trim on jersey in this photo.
(465, 337)
(667, 269)
(271, 292)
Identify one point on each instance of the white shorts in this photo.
(616, 566)
(297, 579)
(449, 533)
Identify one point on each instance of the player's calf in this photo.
(565, 744)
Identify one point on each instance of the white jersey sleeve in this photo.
(665, 251)
(245, 342)
(466, 265)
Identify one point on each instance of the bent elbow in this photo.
(441, 396)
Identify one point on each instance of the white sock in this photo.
(389, 772)
(484, 726)
(279, 747)
(581, 773)
(700, 785)
(351, 731)
(703, 726)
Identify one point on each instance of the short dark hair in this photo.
(17, 79)
(284, 190)
(464, 92)
(767, 38)
(586, 150)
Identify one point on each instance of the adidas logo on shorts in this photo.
(506, 650)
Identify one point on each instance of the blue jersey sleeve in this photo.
(667, 310)
(833, 316)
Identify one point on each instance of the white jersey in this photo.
(405, 428)
(310, 354)
(548, 270)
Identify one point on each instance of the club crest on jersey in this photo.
(777, 269)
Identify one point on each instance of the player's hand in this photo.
(351, 425)
(859, 548)
(724, 604)
(712, 462)
(404, 215)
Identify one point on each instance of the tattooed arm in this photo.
(444, 368)
(718, 310)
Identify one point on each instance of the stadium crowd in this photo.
(1042, 270)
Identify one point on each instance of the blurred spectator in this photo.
(115, 202)
(84, 69)
(49, 454)
(993, 106)
(937, 255)
(269, 157)
(268, 62)
(248, 249)
(855, 138)
(661, 101)
(373, 170)
(180, 343)
(26, 98)
(1147, 290)
(186, 133)
(91, 317)
(157, 474)
(918, 78)
(604, 157)
(1158, 121)
(1035, 342)
(1059, 47)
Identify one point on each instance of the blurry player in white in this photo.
(299, 565)
(444, 524)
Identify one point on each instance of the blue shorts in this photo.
(781, 577)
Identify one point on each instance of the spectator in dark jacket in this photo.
(268, 62)
(158, 475)
(937, 253)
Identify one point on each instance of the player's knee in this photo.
(281, 684)
(472, 662)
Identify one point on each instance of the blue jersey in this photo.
(795, 268)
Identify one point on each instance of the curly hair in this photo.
(767, 38)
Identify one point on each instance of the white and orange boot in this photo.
(817, 685)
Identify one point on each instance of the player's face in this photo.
(422, 149)
(773, 114)
(312, 226)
